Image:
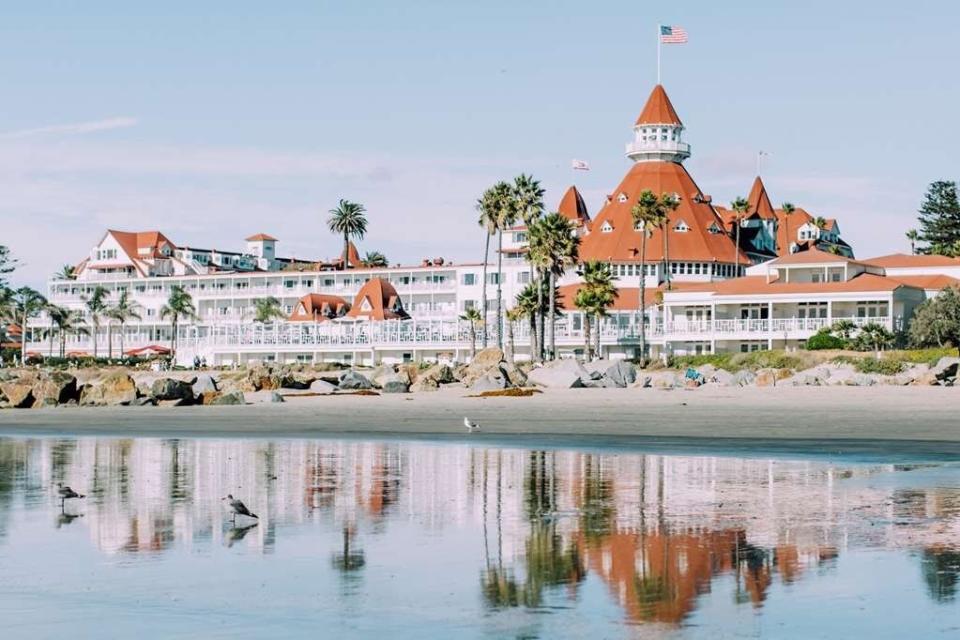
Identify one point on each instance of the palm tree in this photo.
(554, 246)
(648, 214)
(913, 235)
(348, 220)
(487, 207)
(514, 314)
(21, 305)
(125, 309)
(266, 309)
(528, 306)
(67, 272)
(821, 222)
(669, 203)
(788, 208)
(595, 296)
(96, 305)
(740, 207)
(528, 195)
(473, 317)
(375, 259)
(66, 321)
(505, 215)
(179, 305)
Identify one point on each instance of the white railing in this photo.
(640, 146)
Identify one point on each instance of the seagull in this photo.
(471, 426)
(238, 508)
(66, 493)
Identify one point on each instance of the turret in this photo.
(657, 134)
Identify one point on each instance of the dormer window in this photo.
(681, 227)
(622, 197)
(713, 228)
(606, 227)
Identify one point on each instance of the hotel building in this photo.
(791, 275)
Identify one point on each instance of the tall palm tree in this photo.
(179, 305)
(788, 208)
(648, 214)
(669, 203)
(528, 306)
(473, 317)
(913, 236)
(96, 304)
(554, 246)
(820, 221)
(740, 207)
(594, 297)
(21, 306)
(514, 314)
(488, 209)
(67, 272)
(125, 309)
(375, 259)
(348, 220)
(266, 309)
(528, 195)
(63, 322)
(505, 208)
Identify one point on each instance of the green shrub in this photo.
(883, 366)
(719, 360)
(825, 340)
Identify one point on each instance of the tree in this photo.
(528, 197)
(936, 322)
(505, 215)
(669, 204)
(375, 259)
(67, 272)
(65, 321)
(554, 247)
(488, 209)
(820, 222)
(266, 309)
(913, 235)
(7, 265)
(179, 305)
(21, 305)
(788, 208)
(96, 305)
(874, 337)
(648, 214)
(125, 309)
(594, 297)
(473, 317)
(348, 220)
(514, 314)
(740, 207)
(939, 218)
(528, 306)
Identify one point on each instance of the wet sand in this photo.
(895, 419)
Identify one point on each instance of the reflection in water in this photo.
(657, 534)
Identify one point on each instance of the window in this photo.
(681, 227)
(835, 276)
(713, 228)
(520, 236)
(523, 277)
(493, 278)
(469, 279)
(606, 227)
(622, 197)
(469, 304)
(328, 282)
(872, 309)
(815, 276)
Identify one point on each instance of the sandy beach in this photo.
(893, 418)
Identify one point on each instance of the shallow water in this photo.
(419, 540)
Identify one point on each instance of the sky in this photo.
(213, 121)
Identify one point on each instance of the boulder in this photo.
(322, 386)
(559, 374)
(18, 393)
(744, 378)
(262, 377)
(204, 386)
(165, 389)
(144, 401)
(381, 374)
(394, 385)
(721, 378)
(351, 381)
(297, 380)
(229, 398)
(439, 373)
(425, 384)
(515, 375)
(945, 370)
(662, 380)
(55, 387)
(861, 380)
(480, 365)
(116, 389)
(766, 378)
(494, 380)
(814, 377)
(834, 374)
(621, 374)
(173, 402)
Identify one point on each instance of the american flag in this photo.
(672, 35)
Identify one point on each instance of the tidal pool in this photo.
(425, 540)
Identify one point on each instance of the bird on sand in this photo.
(66, 493)
(238, 508)
(470, 425)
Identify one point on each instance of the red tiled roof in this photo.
(758, 285)
(787, 227)
(377, 300)
(318, 307)
(759, 201)
(935, 281)
(627, 300)
(659, 109)
(261, 236)
(622, 244)
(811, 256)
(573, 207)
(903, 260)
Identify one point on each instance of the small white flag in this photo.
(580, 165)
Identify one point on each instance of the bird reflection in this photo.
(236, 534)
(64, 518)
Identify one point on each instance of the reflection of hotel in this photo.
(657, 530)
(804, 277)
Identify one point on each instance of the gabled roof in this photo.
(759, 201)
(758, 285)
(930, 282)
(622, 244)
(317, 307)
(628, 298)
(659, 109)
(261, 237)
(378, 300)
(903, 260)
(811, 256)
(573, 207)
(788, 225)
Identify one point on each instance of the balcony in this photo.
(641, 147)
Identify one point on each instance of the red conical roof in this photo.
(759, 201)
(659, 109)
(573, 208)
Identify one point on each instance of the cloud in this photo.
(76, 128)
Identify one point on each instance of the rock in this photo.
(814, 377)
(351, 380)
(861, 380)
(18, 394)
(394, 385)
(662, 380)
(439, 373)
(425, 384)
(766, 378)
(494, 380)
(621, 374)
(480, 365)
(692, 383)
(408, 370)
(559, 374)
(230, 398)
(55, 387)
(276, 397)
(707, 371)
(381, 374)
(515, 376)
(322, 386)
(165, 389)
(945, 370)
(720, 378)
(835, 375)
(204, 386)
(297, 380)
(144, 401)
(173, 402)
(116, 389)
(262, 377)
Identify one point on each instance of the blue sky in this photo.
(216, 121)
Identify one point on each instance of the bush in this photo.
(825, 340)
(719, 360)
(883, 366)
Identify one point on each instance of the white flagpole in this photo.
(658, 54)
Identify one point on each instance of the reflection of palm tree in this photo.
(941, 570)
(549, 563)
(597, 509)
